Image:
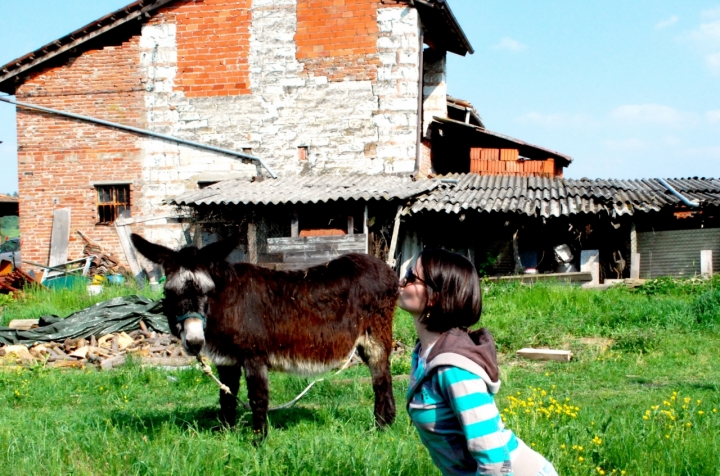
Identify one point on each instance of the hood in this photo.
(472, 351)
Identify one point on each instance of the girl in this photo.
(454, 374)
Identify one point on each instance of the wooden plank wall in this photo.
(302, 252)
(676, 252)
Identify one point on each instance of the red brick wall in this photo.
(338, 38)
(58, 157)
(213, 42)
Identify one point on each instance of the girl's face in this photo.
(413, 295)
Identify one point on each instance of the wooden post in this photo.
(294, 226)
(365, 230)
(351, 225)
(633, 239)
(706, 264)
(252, 251)
(590, 262)
(124, 236)
(394, 239)
(634, 265)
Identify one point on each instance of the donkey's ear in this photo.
(155, 253)
(218, 251)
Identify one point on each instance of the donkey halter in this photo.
(193, 315)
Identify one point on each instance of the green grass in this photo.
(9, 227)
(618, 405)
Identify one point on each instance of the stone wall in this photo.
(236, 74)
(349, 126)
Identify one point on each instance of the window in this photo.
(303, 152)
(113, 202)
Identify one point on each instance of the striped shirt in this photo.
(455, 415)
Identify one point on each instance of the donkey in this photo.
(248, 317)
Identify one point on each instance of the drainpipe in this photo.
(136, 130)
(682, 197)
(421, 84)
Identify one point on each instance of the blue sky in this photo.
(628, 89)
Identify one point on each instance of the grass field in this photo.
(640, 397)
(9, 227)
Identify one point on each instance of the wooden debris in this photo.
(106, 352)
(15, 281)
(16, 352)
(545, 354)
(23, 324)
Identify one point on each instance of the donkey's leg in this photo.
(230, 376)
(376, 355)
(256, 377)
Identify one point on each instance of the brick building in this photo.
(312, 87)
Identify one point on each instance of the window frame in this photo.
(118, 204)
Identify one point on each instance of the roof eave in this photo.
(553, 154)
(457, 42)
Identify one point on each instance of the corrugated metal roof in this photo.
(307, 189)
(553, 197)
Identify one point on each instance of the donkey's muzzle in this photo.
(193, 336)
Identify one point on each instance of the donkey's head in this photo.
(188, 285)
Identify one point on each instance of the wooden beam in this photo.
(124, 236)
(365, 230)
(351, 225)
(545, 354)
(60, 238)
(252, 249)
(394, 240)
(134, 220)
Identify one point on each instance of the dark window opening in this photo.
(206, 184)
(113, 202)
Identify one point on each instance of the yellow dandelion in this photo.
(701, 412)
(581, 459)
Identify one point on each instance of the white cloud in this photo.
(666, 23)
(652, 114)
(711, 152)
(706, 39)
(508, 44)
(711, 13)
(671, 141)
(713, 62)
(626, 145)
(713, 117)
(558, 119)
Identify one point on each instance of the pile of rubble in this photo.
(104, 262)
(13, 281)
(104, 352)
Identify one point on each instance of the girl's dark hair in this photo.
(453, 290)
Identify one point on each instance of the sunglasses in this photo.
(411, 277)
